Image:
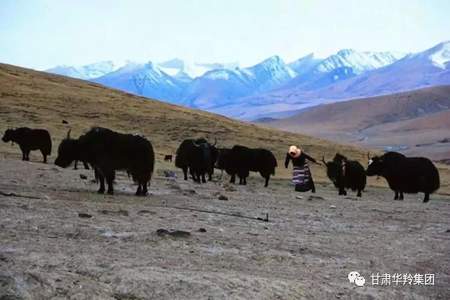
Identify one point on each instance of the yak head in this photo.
(339, 158)
(222, 155)
(204, 147)
(9, 135)
(376, 166)
(67, 152)
(334, 170)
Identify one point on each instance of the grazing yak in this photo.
(240, 160)
(346, 174)
(108, 151)
(405, 174)
(30, 139)
(198, 157)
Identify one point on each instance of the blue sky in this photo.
(45, 33)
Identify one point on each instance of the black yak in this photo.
(30, 139)
(108, 151)
(346, 174)
(406, 174)
(197, 156)
(240, 160)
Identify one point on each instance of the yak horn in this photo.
(215, 141)
(68, 133)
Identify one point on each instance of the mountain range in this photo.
(272, 88)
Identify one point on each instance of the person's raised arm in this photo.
(310, 158)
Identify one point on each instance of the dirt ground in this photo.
(51, 249)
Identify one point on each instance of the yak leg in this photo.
(267, 181)
(44, 155)
(75, 165)
(109, 180)
(359, 194)
(396, 195)
(203, 178)
(401, 195)
(233, 178)
(313, 187)
(24, 151)
(139, 190)
(101, 180)
(427, 197)
(210, 176)
(86, 166)
(144, 189)
(185, 173)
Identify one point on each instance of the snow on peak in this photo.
(273, 66)
(89, 71)
(441, 55)
(358, 61)
(192, 69)
(305, 64)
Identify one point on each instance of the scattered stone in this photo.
(119, 212)
(145, 212)
(173, 233)
(83, 215)
(333, 206)
(82, 176)
(312, 197)
(448, 230)
(299, 197)
(202, 230)
(65, 122)
(223, 197)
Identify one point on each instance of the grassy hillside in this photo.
(405, 120)
(37, 99)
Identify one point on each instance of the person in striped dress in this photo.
(301, 175)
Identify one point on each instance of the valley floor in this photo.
(51, 249)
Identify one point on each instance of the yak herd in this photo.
(107, 151)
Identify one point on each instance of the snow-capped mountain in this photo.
(424, 69)
(145, 80)
(223, 86)
(86, 72)
(272, 87)
(347, 63)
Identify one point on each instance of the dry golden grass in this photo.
(37, 99)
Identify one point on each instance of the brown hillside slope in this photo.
(401, 120)
(37, 99)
